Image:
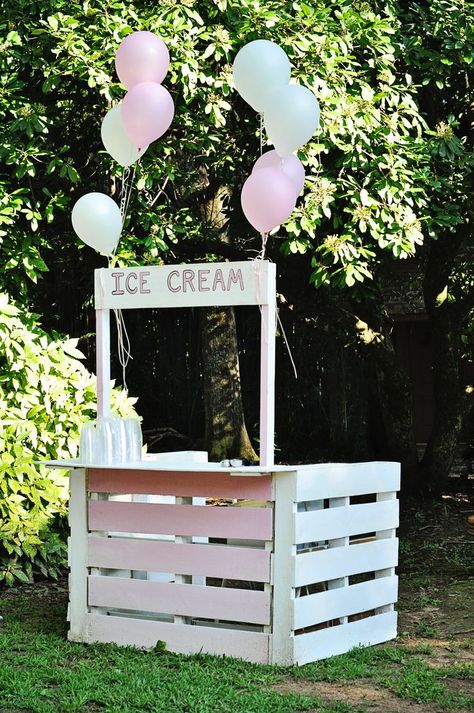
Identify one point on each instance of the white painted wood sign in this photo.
(220, 284)
(197, 285)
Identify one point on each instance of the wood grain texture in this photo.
(329, 564)
(252, 523)
(195, 559)
(339, 639)
(357, 598)
(77, 556)
(179, 638)
(335, 480)
(338, 522)
(181, 483)
(243, 605)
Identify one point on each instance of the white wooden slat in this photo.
(102, 321)
(179, 638)
(186, 600)
(78, 559)
(342, 582)
(267, 361)
(324, 565)
(384, 535)
(340, 639)
(336, 603)
(282, 569)
(334, 480)
(337, 522)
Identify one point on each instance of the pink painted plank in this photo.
(202, 520)
(181, 483)
(244, 563)
(245, 605)
(179, 638)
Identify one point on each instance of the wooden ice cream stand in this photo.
(299, 566)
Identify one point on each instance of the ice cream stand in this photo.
(300, 564)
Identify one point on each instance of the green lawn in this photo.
(430, 668)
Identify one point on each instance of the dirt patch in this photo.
(360, 693)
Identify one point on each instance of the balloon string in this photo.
(123, 192)
(261, 256)
(151, 201)
(127, 186)
(261, 133)
(257, 268)
(287, 344)
(123, 344)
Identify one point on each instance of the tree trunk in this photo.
(226, 433)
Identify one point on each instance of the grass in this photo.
(42, 672)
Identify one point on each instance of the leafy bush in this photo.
(45, 396)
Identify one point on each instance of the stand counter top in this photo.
(153, 464)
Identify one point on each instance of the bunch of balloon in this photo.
(144, 114)
(290, 113)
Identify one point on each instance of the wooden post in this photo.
(78, 555)
(103, 361)
(267, 370)
(383, 535)
(339, 542)
(283, 569)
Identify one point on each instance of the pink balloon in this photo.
(141, 57)
(290, 165)
(268, 198)
(147, 112)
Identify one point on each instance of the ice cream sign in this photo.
(196, 285)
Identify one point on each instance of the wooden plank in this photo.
(336, 603)
(334, 480)
(339, 639)
(188, 600)
(342, 582)
(77, 554)
(180, 483)
(102, 321)
(337, 522)
(179, 638)
(325, 565)
(267, 362)
(252, 522)
(281, 649)
(384, 535)
(243, 563)
(197, 285)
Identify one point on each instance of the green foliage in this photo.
(373, 170)
(45, 396)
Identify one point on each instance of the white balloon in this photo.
(115, 139)
(291, 117)
(260, 67)
(97, 220)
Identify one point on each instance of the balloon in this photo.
(141, 57)
(259, 67)
(97, 221)
(147, 112)
(268, 198)
(291, 117)
(291, 166)
(115, 139)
